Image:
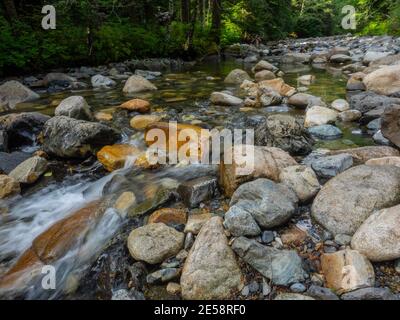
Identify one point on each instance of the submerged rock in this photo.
(211, 270)
(69, 138)
(224, 99)
(347, 200)
(138, 105)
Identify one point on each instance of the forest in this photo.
(102, 31)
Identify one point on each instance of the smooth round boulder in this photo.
(340, 105)
(378, 238)
(74, 107)
(316, 116)
(384, 81)
(154, 243)
(137, 84)
(237, 76)
(347, 200)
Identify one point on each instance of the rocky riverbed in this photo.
(317, 218)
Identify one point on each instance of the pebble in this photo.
(267, 237)
(266, 288)
(342, 239)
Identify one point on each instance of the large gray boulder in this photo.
(367, 101)
(347, 200)
(136, 84)
(237, 76)
(12, 92)
(69, 138)
(211, 270)
(282, 267)
(74, 107)
(271, 204)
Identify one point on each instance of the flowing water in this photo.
(182, 96)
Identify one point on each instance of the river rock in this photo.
(347, 270)
(30, 170)
(69, 138)
(282, 267)
(3, 141)
(321, 293)
(124, 202)
(347, 200)
(330, 166)
(326, 132)
(237, 76)
(350, 116)
(363, 154)
(169, 216)
(371, 56)
(270, 204)
(367, 101)
(370, 294)
(264, 162)
(142, 121)
(340, 105)
(163, 275)
(378, 238)
(264, 65)
(22, 129)
(155, 242)
(224, 99)
(355, 82)
(302, 180)
(74, 107)
(390, 124)
(138, 105)
(136, 84)
(295, 57)
(385, 81)
(279, 86)
(194, 192)
(284, 132)
(240, 222)
(340, 58)
(196, 222)
(211, 270)
(8, 186)
(100, 81)
(114, 157)
(387, 161)
(380, 139)
(316, 116)
(264, 75)
(266, 97)
(12, 92)
(303, 100)
(306, 80)
(58, 78)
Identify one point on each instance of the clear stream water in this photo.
(182, 96)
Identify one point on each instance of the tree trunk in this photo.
(190, 34)
(11, 11)
(185, 9)
(216, 20)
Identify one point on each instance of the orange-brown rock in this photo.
(114, 157)
(138, 105)
(173, 131)
(141, 121)
(103, 116)
(169, 216)
(279, 86)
